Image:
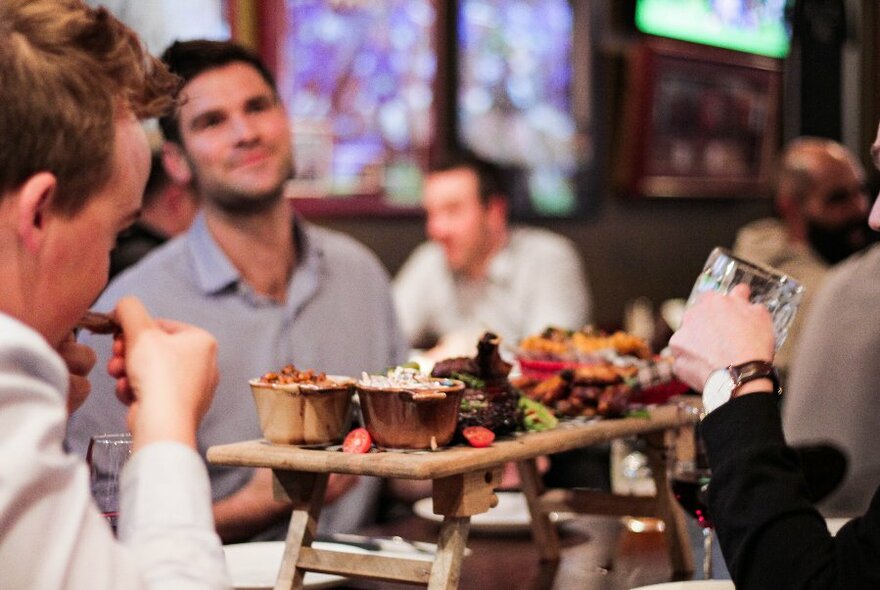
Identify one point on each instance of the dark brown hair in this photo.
(490, 176)
(188, 59)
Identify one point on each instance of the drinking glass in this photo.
(778, 292)
(689, 477)
(106, 457)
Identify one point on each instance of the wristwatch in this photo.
(723, 384)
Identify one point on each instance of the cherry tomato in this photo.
(478, 436)
(357, 441)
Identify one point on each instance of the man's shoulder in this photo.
(14, 334)
(540, 240)
(765, 240)
(154, 274)
(426, 260)
(850, 290)
(338, 245)
(862, 267)
(22, 347)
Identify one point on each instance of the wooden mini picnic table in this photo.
(464, 480)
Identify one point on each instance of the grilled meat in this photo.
(489, 399)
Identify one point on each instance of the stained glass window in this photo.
(358, 80)
(514, 103)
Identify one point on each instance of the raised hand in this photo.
(166, 372)
(718, 331)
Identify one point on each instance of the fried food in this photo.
(596, 390)
(565, 345)
(290, 374)
(99, 323)
(621, 342)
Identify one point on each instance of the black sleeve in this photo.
(770, 534)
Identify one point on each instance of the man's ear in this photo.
(176, 164)
(790, 208)
(35, 197)
(497, 207)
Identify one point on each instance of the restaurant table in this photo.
(464, 482)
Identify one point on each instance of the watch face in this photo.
(717, 390)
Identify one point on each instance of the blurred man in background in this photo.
(478, 274)
(822, 209)
(272, 288)
(168, 209)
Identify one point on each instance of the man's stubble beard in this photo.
(230, 201)
(837, 244)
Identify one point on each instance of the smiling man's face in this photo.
(236, 138)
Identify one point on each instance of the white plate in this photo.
(691, 585)
(254, 566)
(510, 515)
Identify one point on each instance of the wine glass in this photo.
(106, 457)
(689, 477)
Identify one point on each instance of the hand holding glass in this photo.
(776, 291)
(106, 457)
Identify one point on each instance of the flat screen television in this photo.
(753, 26)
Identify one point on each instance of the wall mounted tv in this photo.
(752, 26)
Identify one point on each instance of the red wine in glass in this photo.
(690, 488)
(689, 475)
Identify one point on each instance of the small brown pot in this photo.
(399, 418)
(303, 414)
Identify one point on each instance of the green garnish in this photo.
(469, 380)
(536, 416)
(468, 405)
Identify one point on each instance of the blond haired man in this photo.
(73, 163)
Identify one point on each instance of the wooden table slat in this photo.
(376, 567)
(445, 462)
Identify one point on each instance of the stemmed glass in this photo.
(689, 477)
(106, 457)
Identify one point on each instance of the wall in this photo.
(651, 247)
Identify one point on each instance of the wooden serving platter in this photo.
(447, 461)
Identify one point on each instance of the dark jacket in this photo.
(770, 534)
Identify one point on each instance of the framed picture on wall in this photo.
(700, 122)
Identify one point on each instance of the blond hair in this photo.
(67, 72)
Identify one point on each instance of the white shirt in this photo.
(536, 281)
(51, 533)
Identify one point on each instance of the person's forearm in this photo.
(166, 522)
(250, 510)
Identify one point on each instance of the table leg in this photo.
(675, 529)
(457, 498)
(446, 571)
(543, 531)
(306, 492)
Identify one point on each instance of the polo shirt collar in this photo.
(214, 272)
